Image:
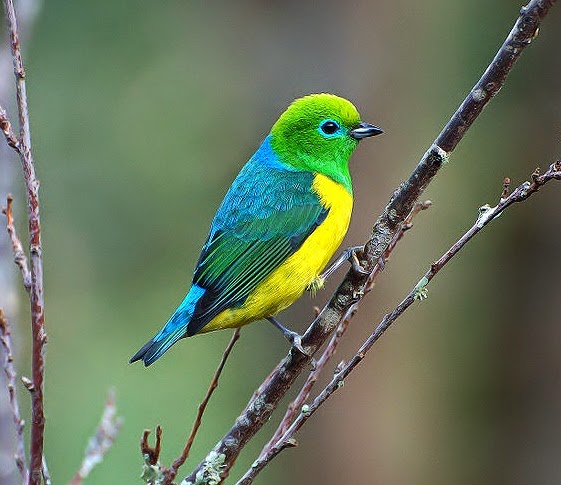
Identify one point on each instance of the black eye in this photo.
(329, 127)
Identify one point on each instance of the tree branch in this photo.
(19, 72)
(319, 364)
(346, 298)
(6, 128)
(11, 376)
(154, 472)
(19, 255)
(172, 472)
(419, 292)
(36, 297)
(151, 454)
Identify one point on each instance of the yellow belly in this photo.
(287, 283)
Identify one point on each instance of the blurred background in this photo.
(142, 114)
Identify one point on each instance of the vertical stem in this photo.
(36, 263)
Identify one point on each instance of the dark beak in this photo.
(362, 130)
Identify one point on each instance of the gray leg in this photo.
(294, 338)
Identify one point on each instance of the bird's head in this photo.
(318, 133)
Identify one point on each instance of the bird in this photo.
(281, 221)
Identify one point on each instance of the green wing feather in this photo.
(265, 217)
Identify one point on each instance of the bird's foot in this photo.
(349, 254)
(355, 263)
(294, 338)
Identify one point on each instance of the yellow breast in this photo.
(287, 283)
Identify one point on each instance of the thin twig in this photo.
(317, 367)
(351, 290)
(19, 255)
(9, 134)
(419, 292)
(19, 72)
(151, 454)
(294, 407)
(27, 13)
(11, 378)
(36, 295)
(153, 471)
(172, 472)
(100, 443)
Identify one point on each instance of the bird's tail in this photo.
(174, 330)
(154, 349)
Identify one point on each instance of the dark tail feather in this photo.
(176, 328)
(142, 352)
(154, 349)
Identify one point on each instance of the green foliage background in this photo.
(142, 114)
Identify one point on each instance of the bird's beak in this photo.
(362, 130)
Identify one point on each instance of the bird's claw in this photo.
(294, 338)
(355, 263)
(349, 254)
(296, 341)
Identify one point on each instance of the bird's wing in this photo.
(265, 217)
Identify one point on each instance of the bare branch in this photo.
(419, 292)
(100, 443)
(36, 295)
(151, 454)
(19, 255)
(318, 365)
(19, 73)
(152, 471)
(345, 300)
(172, 472)
(11, 377)
(6, 128)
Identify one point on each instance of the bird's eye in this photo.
(329, 127)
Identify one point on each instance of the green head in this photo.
(318, 133)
